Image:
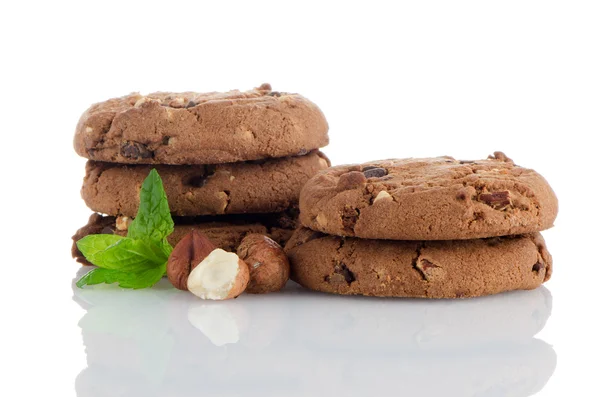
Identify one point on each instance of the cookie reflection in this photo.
(163, 341)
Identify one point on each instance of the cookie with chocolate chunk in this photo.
(428, 199)
(247, 187)
(200, 128)
(419, 269)
(225, 231)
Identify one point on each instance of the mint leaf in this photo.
(95, 243)
(140, 259)
(136, 280)
(125, 255)
(153, 221)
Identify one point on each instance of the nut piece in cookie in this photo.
(268, 264)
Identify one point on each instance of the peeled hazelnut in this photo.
(196, 265)
(382, 196)
(122, 223)
(268, 264)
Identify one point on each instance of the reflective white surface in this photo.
(394, 79)
(165, 342)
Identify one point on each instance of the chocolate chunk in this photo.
(537, 267)
(200, 180)
(424, 264)
(496, 200)
(466, 162)
(135, 150)
(196, 181)
(190, 104)
(341, 274)
(427, 269)
(274, 93)
(374, 172)
(165, 140)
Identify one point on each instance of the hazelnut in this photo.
(196, 265)
(122, 223)
(269, 266)
(382, 196)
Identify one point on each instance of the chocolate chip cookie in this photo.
(423, 269)
(428, 199)
(225, 231)
(247, 187)
(194, 128)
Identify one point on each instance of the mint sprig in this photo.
(140, 259)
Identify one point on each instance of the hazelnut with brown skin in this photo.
(196, 265)
(268, 264)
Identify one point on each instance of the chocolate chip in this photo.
(425, 265)
(341, 274)
(374, 172)
(466, 162)
(200, 179)
(190, 104)
(496, 200)
(165, 140)
(135, 150)
(274, 93)
(107, 230)
(196, 181)
(537, 267)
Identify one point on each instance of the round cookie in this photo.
(225, 231)
(419, 269)
(194, 128)
(247, 187)
(428, 199)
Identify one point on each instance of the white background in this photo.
(395, 79)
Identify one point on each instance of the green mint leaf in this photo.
(153, 221)
(136, 280)
(138, 260)
(95, 243)
(123, 254)
(165, 247)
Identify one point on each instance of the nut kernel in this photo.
(382, 196)
(123, 222)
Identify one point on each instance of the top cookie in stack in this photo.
(193, 128)
(434, 227)
(241, 154)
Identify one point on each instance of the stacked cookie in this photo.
(435, 228)
(232, 163)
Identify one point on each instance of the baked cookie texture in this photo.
(428, 199)
(225, 231)
(247, 187)
(419, 269)
(200, 128)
